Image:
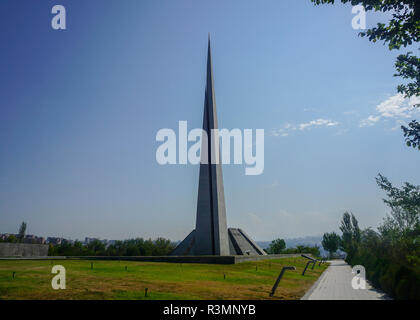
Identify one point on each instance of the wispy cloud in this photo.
(288, 127)
(318, 122)
(396, 107)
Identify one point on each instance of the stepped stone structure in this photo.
(211, 235)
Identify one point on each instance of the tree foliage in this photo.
(22, 231)
(11, 238)
(131, 247)
(276, 246)
(351, 234)
(313, 250)
(390, 256)
(331, 242)
(402, 30)
(408, 67)
(404, 203)
(412, 134)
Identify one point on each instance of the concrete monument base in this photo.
(239, 244)
(172, 259)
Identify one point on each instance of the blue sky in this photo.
(80, 108)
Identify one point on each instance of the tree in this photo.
(162, 247)
(300, 248)
(96, 247)
(11, 238)
(303, 249)
(405, 207)
(391, 257)
(402, 30)
(412, 134)
(276, 246)
(22, 231)
(331, 242)
(351, 235)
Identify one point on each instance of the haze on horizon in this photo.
(80, 110)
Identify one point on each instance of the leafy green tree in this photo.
(314, 251)
(391, 256)
(351, 235)
(131, 247)
(300, 248)
(276, 246)
(402, 30)
(22, 231)
(405, 207)
(162, 247)
(412, 134)
(331, 242)
(96, 247)
(408, 67)
(52, 251)
(304, 249)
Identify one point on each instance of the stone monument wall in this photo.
(23, 250)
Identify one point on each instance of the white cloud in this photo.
(318, 122)
(288, 127)
(396, 107)
(369, 121)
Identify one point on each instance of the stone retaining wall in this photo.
(23, 250)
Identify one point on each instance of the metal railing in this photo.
(273, 290)
(311, 260)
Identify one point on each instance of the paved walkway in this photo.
(335, 284)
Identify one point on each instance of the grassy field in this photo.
(111, 280)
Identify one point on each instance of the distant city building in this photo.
(105, 242)
(30, 238)
(5, 236)
(55, 240)
(89, 240)
(111, 242)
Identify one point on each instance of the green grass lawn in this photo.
(110, 280)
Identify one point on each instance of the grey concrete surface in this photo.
(211, 234)
(335, 284)
(172, 259)
(241, 244)
(23, 249)
(186, 246)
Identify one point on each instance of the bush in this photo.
(131, 247)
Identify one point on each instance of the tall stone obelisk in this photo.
(211, 234)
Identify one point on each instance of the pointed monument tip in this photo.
(209, 47)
